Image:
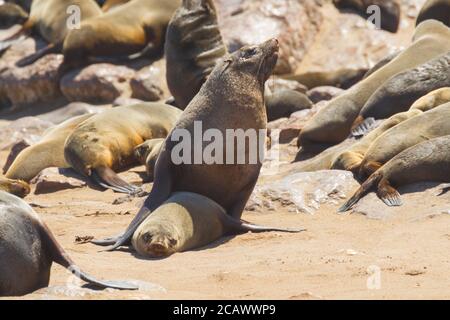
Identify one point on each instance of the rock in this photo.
(71, 110)
(15, 150)
(278, 84)
(294, 22)
(301, 191)
(28, 85)
(324, 93)
(97, 83)
(53, 179)
(29, 129)
(146, 84)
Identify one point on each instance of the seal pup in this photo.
(28, 249)
(193, 46)
(390, 11)
(428, 125)
(188, 221)
(232, 98)
(49, 19)
(400, 91)
(11, 14)
(105, 142)
(48, 152)
(332, 123)
(437, 10)
(136, 27)
(15, 187)
(147, 153)
(426, 161)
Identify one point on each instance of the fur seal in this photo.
(15, 187)
(24, 4)
(48, 152)
(49, 18)
(426, 161)
(400, 91)
(110, 4)
(11, 14)
(28, 249)
(390, 11)
(137, 26)
(193, 46)
(285, 102)
(351, 158)
(105, 142)
(232, 98)
(332, 123)
(437, 10)
(147, 153)
(188, 221)
(428, 125)
(380, 64)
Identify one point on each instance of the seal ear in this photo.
(226, 65)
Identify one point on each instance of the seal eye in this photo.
(172, 242)
(249, 53)
(147, 238)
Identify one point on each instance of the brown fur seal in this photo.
(428, 125)
(147, 154)
(24, 4)
(390, 11)
(437, 10)
(28, 249)
(138, 26)
(48, 152)
(11, 14)
(332, 123)
(193, 46)
(49, 19)
(105, 142)
(283, 103)
(400, 91)
(426, 161)
(16, 187)
(188, 221)
(232, 98)
(351, 158)
(110, 4)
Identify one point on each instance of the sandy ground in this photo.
(334, 259)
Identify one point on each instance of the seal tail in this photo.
(362, 126)
(62, 258)
(108, 179)
(51, 48)
(361, 192)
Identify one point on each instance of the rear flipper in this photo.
(234, 225)
(108, 179)
(107, 241)
(121, 285)
(362, 126)
(388, 194)
(361, 192)
(51, 48)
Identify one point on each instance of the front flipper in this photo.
(120, 285)
(108, 179)
(161, 190)
(51, 48)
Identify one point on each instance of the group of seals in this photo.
(188, 221)
(231, 98)
(399, 92)
(332, 123)
(28, 249)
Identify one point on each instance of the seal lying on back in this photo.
(188, 221)
(193, 46)
(399, 92)
(332, 123)
(105, 142)
(28, 249)
(231, 99)
(351, 158)
(426, 161)
(428, 125)
(390, 11)
(48, 152)
(136, 27)
(437, 10)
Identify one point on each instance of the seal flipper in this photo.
(361, 192)
(58, 255)
(235, 226)
(108, 179)
(388, 194)
(51, 48)
(364, 127)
